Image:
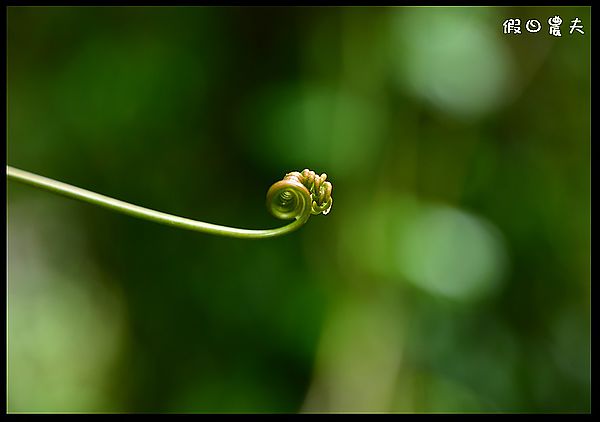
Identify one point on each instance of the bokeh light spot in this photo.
(450, 253)
(452, 59)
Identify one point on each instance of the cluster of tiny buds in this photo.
(319, 188)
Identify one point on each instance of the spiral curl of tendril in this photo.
(297, 196)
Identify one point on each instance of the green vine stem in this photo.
(299, 195)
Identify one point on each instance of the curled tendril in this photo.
(299, 195)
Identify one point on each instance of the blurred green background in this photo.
(452, 275)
